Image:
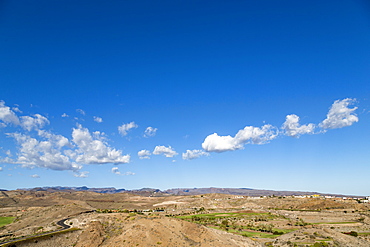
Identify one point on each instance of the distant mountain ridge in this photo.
(110, 190)
(183, 191)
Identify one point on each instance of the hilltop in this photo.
(187, 191)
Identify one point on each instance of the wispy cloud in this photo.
(98, 119)
(150, 132)
(83, 174)
(16, 109)
(35, 176)
(116, 171)
(124, 128)
(82, 112)
(194, 154)
(128, 173)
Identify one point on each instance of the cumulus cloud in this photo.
(124, 128)
(35, 176)
(36, 122)
(248, 135)
(65, 115)
(193, 154)
(340, 115)
(7, 115)
(98, 119)
(144, 154)
(82, 112)
(46, 153)
(48, 150)
(291, 127)
(150, 132)
(93, 150)
(166, 151)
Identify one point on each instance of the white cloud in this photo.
(248, 135)
(292, 128)
(1, 168)
(93, 150)
(150, 132)
(144, 154)
(35, 176)
(193, 154)
(64, 115)
(98, 119)
(16, 109)
(82, 112)
(340, 115)
(56, 152)
(46, 153)
(115, 170)
(81, 174)
(124, 128)
(216, 143)
(58, 141)
(7, 115)
(36, 122)
(166, 151)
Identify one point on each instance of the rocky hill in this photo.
(184, 191)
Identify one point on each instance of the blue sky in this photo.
(263, 94)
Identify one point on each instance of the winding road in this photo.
(60, 223)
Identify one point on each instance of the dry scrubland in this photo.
(126, 219)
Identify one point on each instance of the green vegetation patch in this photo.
(223, 215)
(6, 220)
(259, 235)
(248, 224)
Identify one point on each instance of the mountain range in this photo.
(184, 191)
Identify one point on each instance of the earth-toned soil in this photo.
(126, 219)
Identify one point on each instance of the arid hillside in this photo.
(85, 218)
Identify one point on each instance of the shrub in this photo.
(277, 233)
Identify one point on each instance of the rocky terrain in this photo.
(129, 219)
